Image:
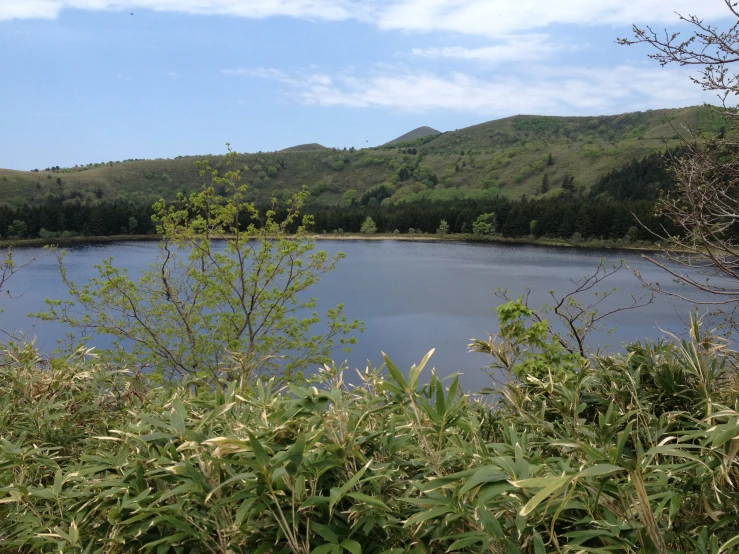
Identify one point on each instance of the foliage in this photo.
(630, 453)
(484, 224)
(705, 201)
(368, 227)
(226, 295)
(17, 228)
(499, 150)
(443, 228)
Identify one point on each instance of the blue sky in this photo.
(85, 81)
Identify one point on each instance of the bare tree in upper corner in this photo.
(704, 254)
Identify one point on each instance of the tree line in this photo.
(63, 219)
(612, 209)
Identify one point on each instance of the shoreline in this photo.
(460, 238)
(472, 239)
(72, 241)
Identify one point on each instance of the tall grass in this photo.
(628, 453)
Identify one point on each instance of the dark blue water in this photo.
(412, 296)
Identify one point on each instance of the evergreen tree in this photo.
(368, 227)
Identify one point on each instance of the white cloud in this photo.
(480, 17)
(523, 48)
(493, 17)
(330, 10)
(562, 90)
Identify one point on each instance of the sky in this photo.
(86, 81)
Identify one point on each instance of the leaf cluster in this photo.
(630, 453)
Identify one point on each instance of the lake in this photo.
(412, 296)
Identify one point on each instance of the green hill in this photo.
(509, 156)
(421, 132)
(304, 148)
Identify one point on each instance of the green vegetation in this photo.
(575, 182)
(605, 214)
(208, 447)
(427, 133)
(368, 227)
(225, 294)
(507, 156)
(630, 453)
(573, 452)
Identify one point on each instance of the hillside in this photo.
(511, 156)
(304, 148)
(421, 132)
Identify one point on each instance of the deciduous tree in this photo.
(705, 202)
(227, 294)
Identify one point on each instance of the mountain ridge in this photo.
(508, 156)
(417, 133)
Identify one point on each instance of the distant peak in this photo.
(304, 147)
(415, 134)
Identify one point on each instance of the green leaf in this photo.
(482, 476)
(186, 487)
(464, 542)
(325, 532)
(734, 541)
(394, 372)
(338, 494)
(490, 523)
(539, 547)
(323, 549)
(598, 470)
(215, 414)
(259, 452)
(351, 546)
(433, 513)
(724, 435)
(554, 485)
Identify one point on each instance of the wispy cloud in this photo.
(523, 48)
(260, 72)
(255, 9)
(561, 90)
(480, 17)
(495, 17)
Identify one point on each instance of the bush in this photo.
(633, 453)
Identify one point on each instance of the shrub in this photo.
(631, 453)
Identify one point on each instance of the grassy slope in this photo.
(508, 155)
(305, 148)
(414, 134)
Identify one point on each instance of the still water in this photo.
(412, 296)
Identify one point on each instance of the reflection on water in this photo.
(412, 296)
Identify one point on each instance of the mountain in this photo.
(421, 132)
(304, 148)
(508, 156)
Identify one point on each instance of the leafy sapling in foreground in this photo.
(576, 313)
(226, 296)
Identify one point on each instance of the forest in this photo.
(620, 206)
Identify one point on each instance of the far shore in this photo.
(497, 239)
(417, 237)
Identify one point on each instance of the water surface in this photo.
(412, 296)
